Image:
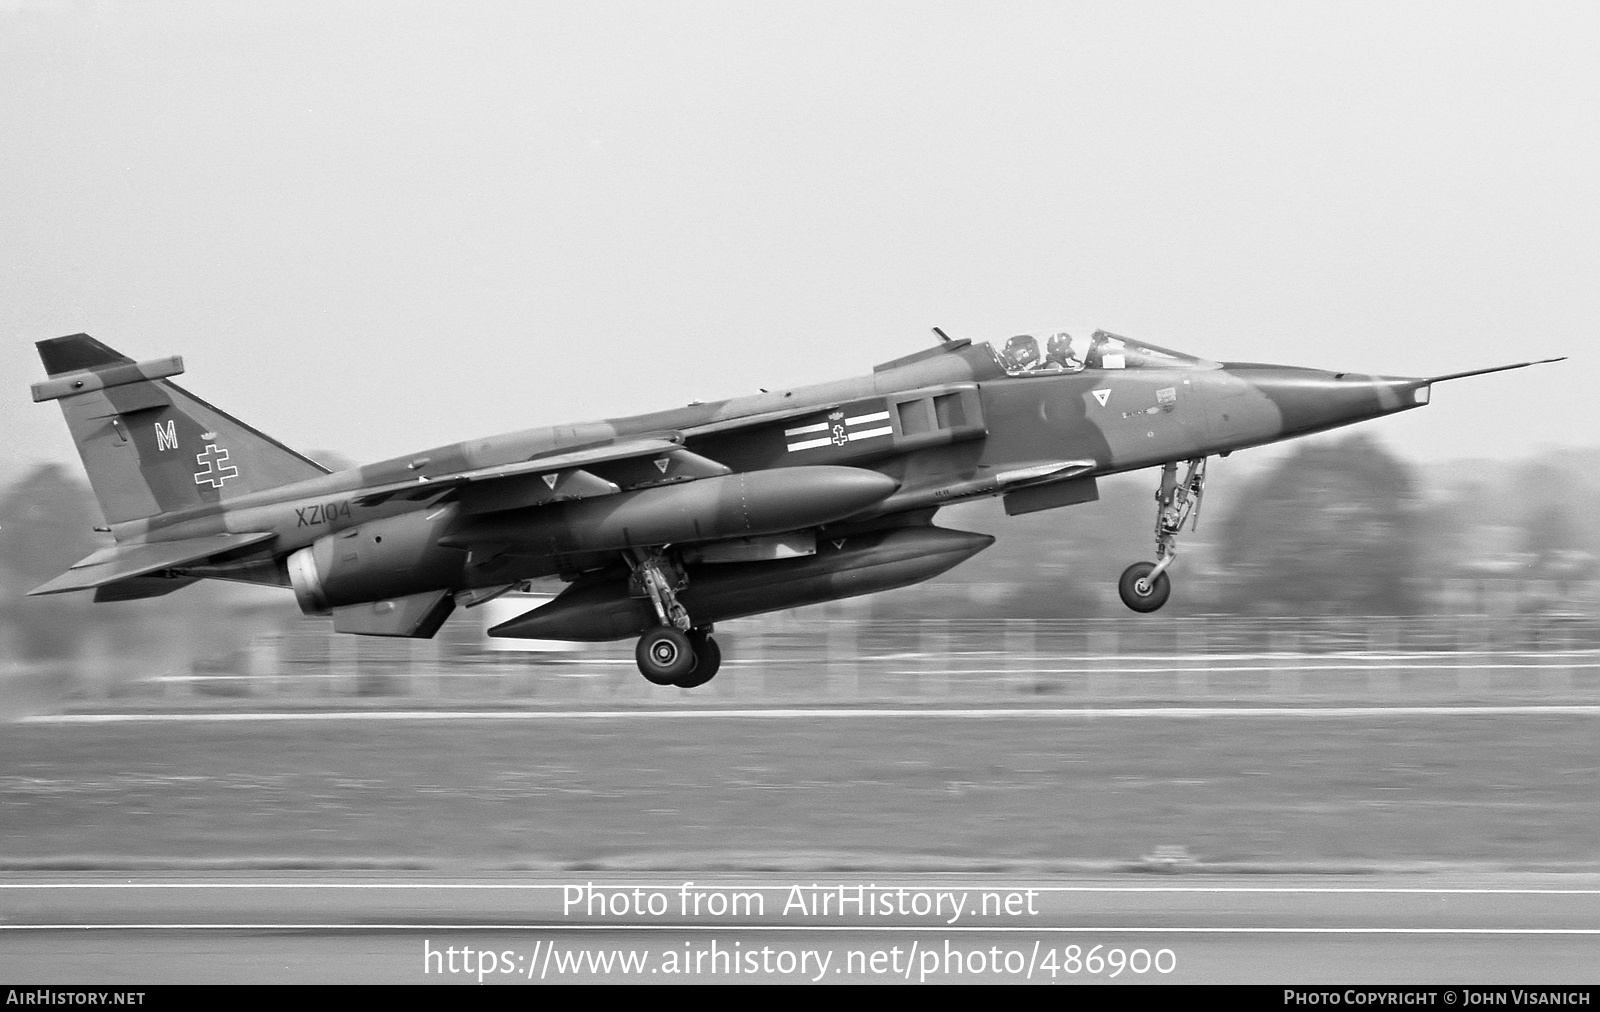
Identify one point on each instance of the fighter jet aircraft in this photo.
(666, 523)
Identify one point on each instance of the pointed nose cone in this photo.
(1310, 400)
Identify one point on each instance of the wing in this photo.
(121, 562)
(565, 475)
(557, 477)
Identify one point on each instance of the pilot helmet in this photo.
(1022, 352)
(1064, 351)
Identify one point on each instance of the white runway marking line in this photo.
(768, 713)
(949, 929)
(1445, 668)
(1295, 659)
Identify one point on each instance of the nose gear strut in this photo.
(1145, 586)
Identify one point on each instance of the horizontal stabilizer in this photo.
(139, 588)
(119, 562)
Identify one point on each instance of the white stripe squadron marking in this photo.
(872, 433)
(810, 443)
(840, 430)
(879, 416)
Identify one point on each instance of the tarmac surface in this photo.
(1363, 845)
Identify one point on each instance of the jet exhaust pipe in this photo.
(393, 557)
(600, 608)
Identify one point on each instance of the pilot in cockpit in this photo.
(1021, 353)
(1065, 353)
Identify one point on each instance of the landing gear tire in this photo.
(709, 657)
(1141, 593)
(665, 656)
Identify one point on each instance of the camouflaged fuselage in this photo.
(942, 423)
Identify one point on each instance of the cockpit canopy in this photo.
(1064, 351)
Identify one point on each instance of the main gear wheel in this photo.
(665, 656)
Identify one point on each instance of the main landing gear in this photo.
(674, 652)
(1145, 586)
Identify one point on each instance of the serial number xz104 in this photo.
(323, 513)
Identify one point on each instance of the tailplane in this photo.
(149, 445)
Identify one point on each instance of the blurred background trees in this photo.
(47, 521)
(1331, 529)
(1323, 526)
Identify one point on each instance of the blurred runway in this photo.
(1405, 929)
(785, 661)
(1302, 836)
(747, 712)
(883, 787)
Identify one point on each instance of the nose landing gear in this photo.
(1142, 588)
(1145, 586)
(674, 652)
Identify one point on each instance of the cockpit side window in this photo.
(1021, 354)
(1061, 352)
(1121, 353)
(1073, 351)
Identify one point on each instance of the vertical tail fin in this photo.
(150, 446)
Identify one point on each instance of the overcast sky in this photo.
(378, 227)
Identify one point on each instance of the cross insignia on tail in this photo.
(216, 472)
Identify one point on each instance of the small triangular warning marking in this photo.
(839, 543)
(661, 465)
(1102, 395)
(550, 479)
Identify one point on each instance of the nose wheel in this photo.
(1142, 592)
(1145, 586)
